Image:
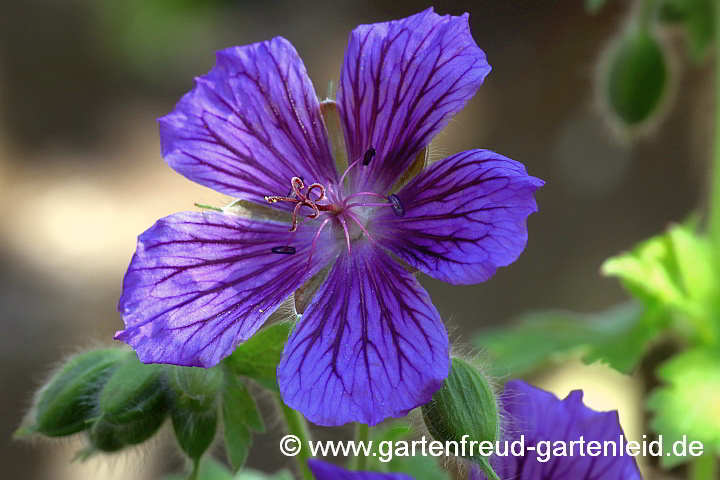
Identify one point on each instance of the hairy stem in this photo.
(297, 425)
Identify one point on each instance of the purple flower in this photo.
(370, 345)
(326, 471)
(541, 417)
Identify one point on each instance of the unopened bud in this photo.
(194, 412)
(464, 407)
(131, 406)
(64, 405)
(636, 79)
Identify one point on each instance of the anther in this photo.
(368, 156)
(397, 205)
(283, 250)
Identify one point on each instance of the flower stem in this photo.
(704, 467)
(297, 425)
(362, 435)
(484, 465)
(714, 221)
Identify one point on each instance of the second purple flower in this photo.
(370, 345)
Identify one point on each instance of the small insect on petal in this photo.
(283, 250)
(368, 156)
(397, 205)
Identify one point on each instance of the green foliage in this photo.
(63, 406)
(618, 336)
(675, 271)
(637, 78)
(241, 418)
(258, 357)
(689, 403)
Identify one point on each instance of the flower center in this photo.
(341, 210)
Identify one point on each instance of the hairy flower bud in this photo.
(131, 406)
(635, 81)
(63, 406)
(194, 412)
(464, 407)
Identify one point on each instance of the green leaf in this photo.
(594, 6)
(250, 474)
(259, 356)
(689, 402)
(618, 336)
(676, 271)
(241, 417)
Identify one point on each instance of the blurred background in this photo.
(82, 82)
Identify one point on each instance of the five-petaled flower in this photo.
(370, 345)
(325, 471)
(540, 416)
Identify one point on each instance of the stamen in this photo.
(317, 235)
(354, 218)
(347, 234)
(397, 205)
(368, 156)
(283, 250)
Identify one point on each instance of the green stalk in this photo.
(704, 467)
(297, 425)
(714, 221)
(362, 435)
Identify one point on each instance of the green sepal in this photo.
(194, 431)
(132, 388)
(193, 388)
(689, 402)
(109, 436)
(194, 398)
(258, 357)
(63, 406)
(465, 405)
(240, 417)
(619, 336)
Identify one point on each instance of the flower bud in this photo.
(636, 80)
(464, 407)
(194, 393)
(131, 406)
(64, 405)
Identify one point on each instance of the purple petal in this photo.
(540, 416)
(326, 471)
(464, 217)
(401, 83)
(201, 283)
(370, 346)
(250, 125)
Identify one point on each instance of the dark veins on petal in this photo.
(370, 346)
(250, 125)
(200, 283)
(401, 83)
(461, 218)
